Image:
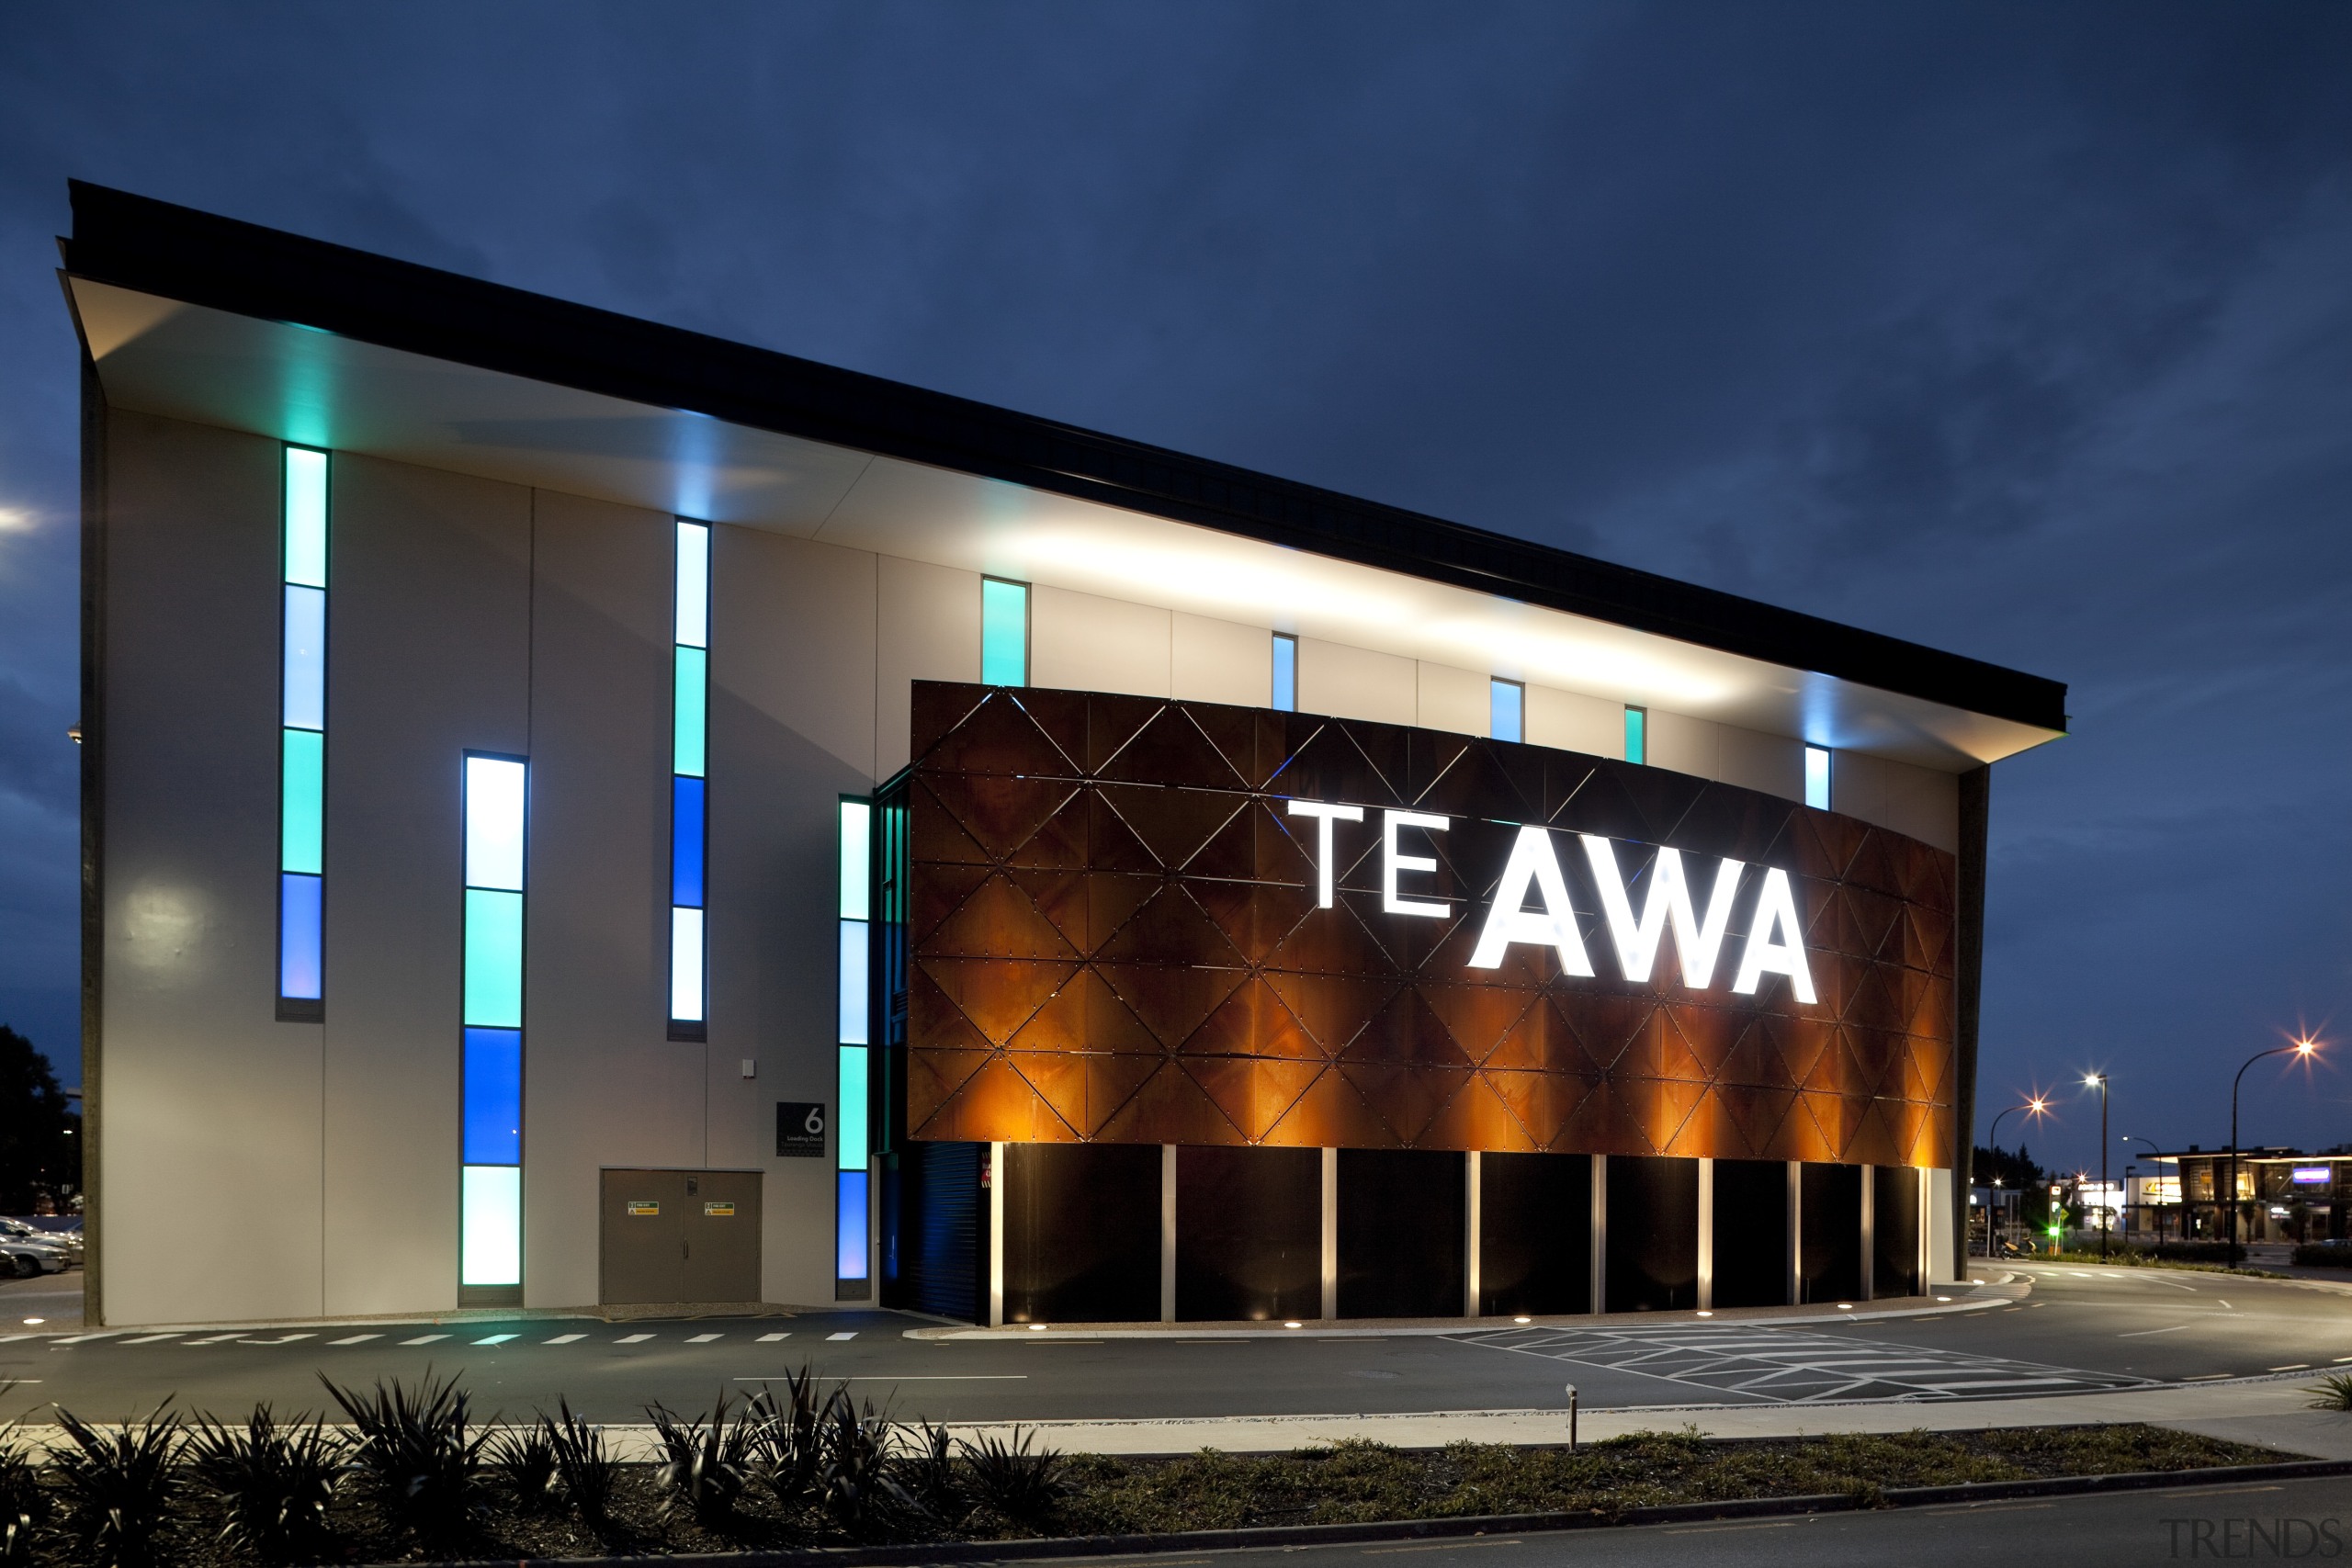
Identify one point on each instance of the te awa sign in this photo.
(1137, 920)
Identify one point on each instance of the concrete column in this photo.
(1470, 1235)
(1167, 1232)
(1706, 1234)
(1796, 1232)
(996, 1236)
(1330, 1233)
(1599, 1232)
(1870, 1229)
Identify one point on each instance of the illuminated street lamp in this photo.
(2099, 1079)
(2302, 1049)
(2037, 1106)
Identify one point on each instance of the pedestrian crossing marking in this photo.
(703, 1338)
(425, 1340)
(497, 1339)
(772, 1339)
(355, 1339)
(632, 1339)
(851, 1334)
(566, 1338)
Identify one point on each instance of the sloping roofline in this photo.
(179, 252)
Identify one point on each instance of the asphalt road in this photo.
(2080, 1329)
(2294, 1520)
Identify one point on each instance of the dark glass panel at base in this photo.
(1894, 1231)
(1081, 1233)
(1653, 1233)
(1534, 1233)
(1751, 1233)
(934, 1230)
(1248, 1233)
(1400, 1233)
(1829, 1233)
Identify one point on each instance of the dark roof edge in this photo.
(179, 252)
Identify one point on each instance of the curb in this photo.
(1265, 1536)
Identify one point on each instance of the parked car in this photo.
(18, 1232)
(23, 1260)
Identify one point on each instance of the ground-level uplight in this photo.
(1293, 1324)
(1036, 1328)
(1845, 1306)
(36, 1320)
(1523, 1320)
(1704, 1313)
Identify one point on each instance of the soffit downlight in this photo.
(216, 366)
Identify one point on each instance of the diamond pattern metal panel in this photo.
(1115, 939)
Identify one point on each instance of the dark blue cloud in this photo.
(2018, 330)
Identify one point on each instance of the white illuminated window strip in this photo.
(1817, 777)
(492, 1203)
(494, 823)
(694, 585)
(853, 994)
(856, 817)
(686, 965)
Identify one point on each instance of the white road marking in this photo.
(84, 1338)
(772, 1339)
(632, 1339)
(215, 1339)
(154, 1338)
(12, 1338)
(851, 1334)
(282, 1340)
(425, 1340)
(498, 1339)
(2291, 1366)
(703, 1338)
(355, 1339)
(2144, 1333)
(566, 1338)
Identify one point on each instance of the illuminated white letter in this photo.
(1696, 943)
(1391, 862)
(1323, 866)
(1776, 910)
(1532, 860)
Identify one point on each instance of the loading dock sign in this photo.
(644, 1208)
(800, 1129)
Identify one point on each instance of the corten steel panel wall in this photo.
(602, 1086)
(1116, 940)
(792, 729)
(1534, 1233)
(428, 655)
(211, 1161)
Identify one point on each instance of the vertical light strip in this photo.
(1004, 633)
(1285, 672)
(689, 787)
(1817, 777)
(1637, 740)
(1506, 710)
(855, 1037)
(302, 740)
(496, 808)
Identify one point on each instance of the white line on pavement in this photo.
(154, 1338)
(632, 1339)
(851, 1334)
(425, 1340)
(215, 1339)
(772, 1339)
(497, 1339)
(566, 1338)
(703, 1338)
(282, 1340)
(2144, 1333)
(355, 1339)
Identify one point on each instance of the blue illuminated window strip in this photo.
(1507, 710)
(849, 1227)
(687, 853)
(1285, 672)
(1004, 633)
(1637, 740)
(302, 718)
(495, 811)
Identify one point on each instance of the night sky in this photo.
(2022, 331)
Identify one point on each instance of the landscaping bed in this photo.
(414, 1478)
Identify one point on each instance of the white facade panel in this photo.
(428, 656)
(601, 1084)
(1355, 682)
(1081, 642)
(1922, 802)
(206, 1165)
(1773, 763)
(927, 628)
(792, 641)
(1574, 722)
(1684, 745)
(1220, 661)
(1458, 700)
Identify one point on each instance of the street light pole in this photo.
(2128, 1138)
(2100, 1079)
(2302, 1048)
(2035, 1106)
